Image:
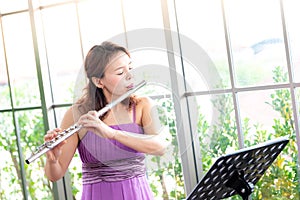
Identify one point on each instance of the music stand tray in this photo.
(238, 172)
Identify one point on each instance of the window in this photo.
(226, 75)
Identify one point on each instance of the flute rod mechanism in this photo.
(75, 128)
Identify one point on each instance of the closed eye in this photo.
(120, 73)
(120, 70)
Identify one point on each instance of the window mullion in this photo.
(291, 81)
(232, 79)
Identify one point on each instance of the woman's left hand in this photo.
(91, 122)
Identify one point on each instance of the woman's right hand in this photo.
(54, 154)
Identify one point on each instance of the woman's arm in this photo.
(59, 158)
(154, 140)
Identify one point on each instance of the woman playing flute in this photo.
(112, 147)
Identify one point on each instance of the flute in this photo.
(40, 150)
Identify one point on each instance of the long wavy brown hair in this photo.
(96, 61)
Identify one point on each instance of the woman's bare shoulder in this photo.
(145, 104)
(144, 101)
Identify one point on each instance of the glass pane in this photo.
(97, 21)
(32, 133)
(258, 123)
(140, 14)
(202, 23)
(268, 102)
(216, 127)
(11, 185)
(165, 172)
(272, 118)
(43, 60)
(4, 89)
(292, 14)
(152, 66)
(63, 50)
(76, 174)
(298, 98)
(52, 2)
(21, 60)
(59, 113)
(13, 5)
(256, 39)
(200, 75)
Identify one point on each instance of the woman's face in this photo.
(117, 78)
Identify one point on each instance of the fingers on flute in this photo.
(82, 119)
(93, 113)
(58, 130)
(52, 134)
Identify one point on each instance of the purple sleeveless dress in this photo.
(111, 170)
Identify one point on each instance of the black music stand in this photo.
(238, 172)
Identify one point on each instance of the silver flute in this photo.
(75, 128)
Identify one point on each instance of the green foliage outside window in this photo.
(31, 130)
(171, 167)
(281, 181)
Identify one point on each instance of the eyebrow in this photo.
(122, 66)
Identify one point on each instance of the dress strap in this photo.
(133, 112)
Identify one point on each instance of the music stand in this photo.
(238, 172)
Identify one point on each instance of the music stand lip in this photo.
(249, 163)
(269, 142)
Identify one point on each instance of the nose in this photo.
(129, 75)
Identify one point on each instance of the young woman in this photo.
(113, 147)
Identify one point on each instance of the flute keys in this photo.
(48, 144)
(41, 147)
(61, 134)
